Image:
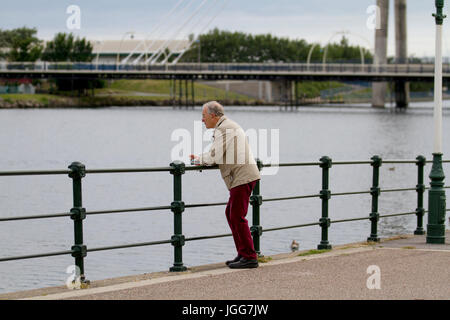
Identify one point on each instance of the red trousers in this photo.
(235, 212)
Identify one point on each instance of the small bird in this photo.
(294, 245)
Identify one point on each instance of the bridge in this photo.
(220, 71)
(281, 76)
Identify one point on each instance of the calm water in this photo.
(141, 137)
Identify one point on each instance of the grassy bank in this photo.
(33, 101)
(127, 93)
(161, 93)
(163, 90)
(54, 101)
(147, 93)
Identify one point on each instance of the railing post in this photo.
(256, 201)
(375, 192)
(420, 188)
(78, 214)
(177, 209)
(325, 195)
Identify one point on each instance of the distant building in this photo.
(22, 85)
(109, 51)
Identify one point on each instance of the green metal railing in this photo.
(78, 213)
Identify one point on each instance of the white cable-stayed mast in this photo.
(161, 49)
(204, 28)
(176, 18)
(165, 27)
(196, 23)
(160, 23)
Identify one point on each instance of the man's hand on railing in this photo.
(195, 160)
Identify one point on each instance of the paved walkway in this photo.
(403, 268)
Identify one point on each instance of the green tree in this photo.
(64, 47)
(20, 44)
(226, 46)
(344, 52)
(82, 50)
(4, 43)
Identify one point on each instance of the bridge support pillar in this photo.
(265, 91)
(278, 91)
(401, 52)
(379, 90)
(380, 59)
(283, 92)
(401, 94)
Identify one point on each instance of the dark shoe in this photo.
(244, 264)
(234, 260)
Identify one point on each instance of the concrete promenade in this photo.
(403, 268)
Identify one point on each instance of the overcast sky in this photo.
(312, 20)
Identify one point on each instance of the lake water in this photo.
(141, 137)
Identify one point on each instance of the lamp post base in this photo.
(436, 203)
(438, 233)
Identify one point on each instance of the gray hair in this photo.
(214, 108)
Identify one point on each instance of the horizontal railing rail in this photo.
(78, 213)
(198, 205)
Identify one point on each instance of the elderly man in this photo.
(231, 152)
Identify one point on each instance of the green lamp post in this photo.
(436, 195)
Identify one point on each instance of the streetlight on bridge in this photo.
(436, 195)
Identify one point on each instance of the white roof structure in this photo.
(127, 46)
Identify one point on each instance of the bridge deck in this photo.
(230, 71)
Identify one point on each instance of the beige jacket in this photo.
(231, 152)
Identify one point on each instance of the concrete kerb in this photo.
(198, 272)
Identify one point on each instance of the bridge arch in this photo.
(308, 60)
(324, 57)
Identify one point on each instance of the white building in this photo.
(111, 51)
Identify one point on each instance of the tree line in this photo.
(225, 46)
(22, 44)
